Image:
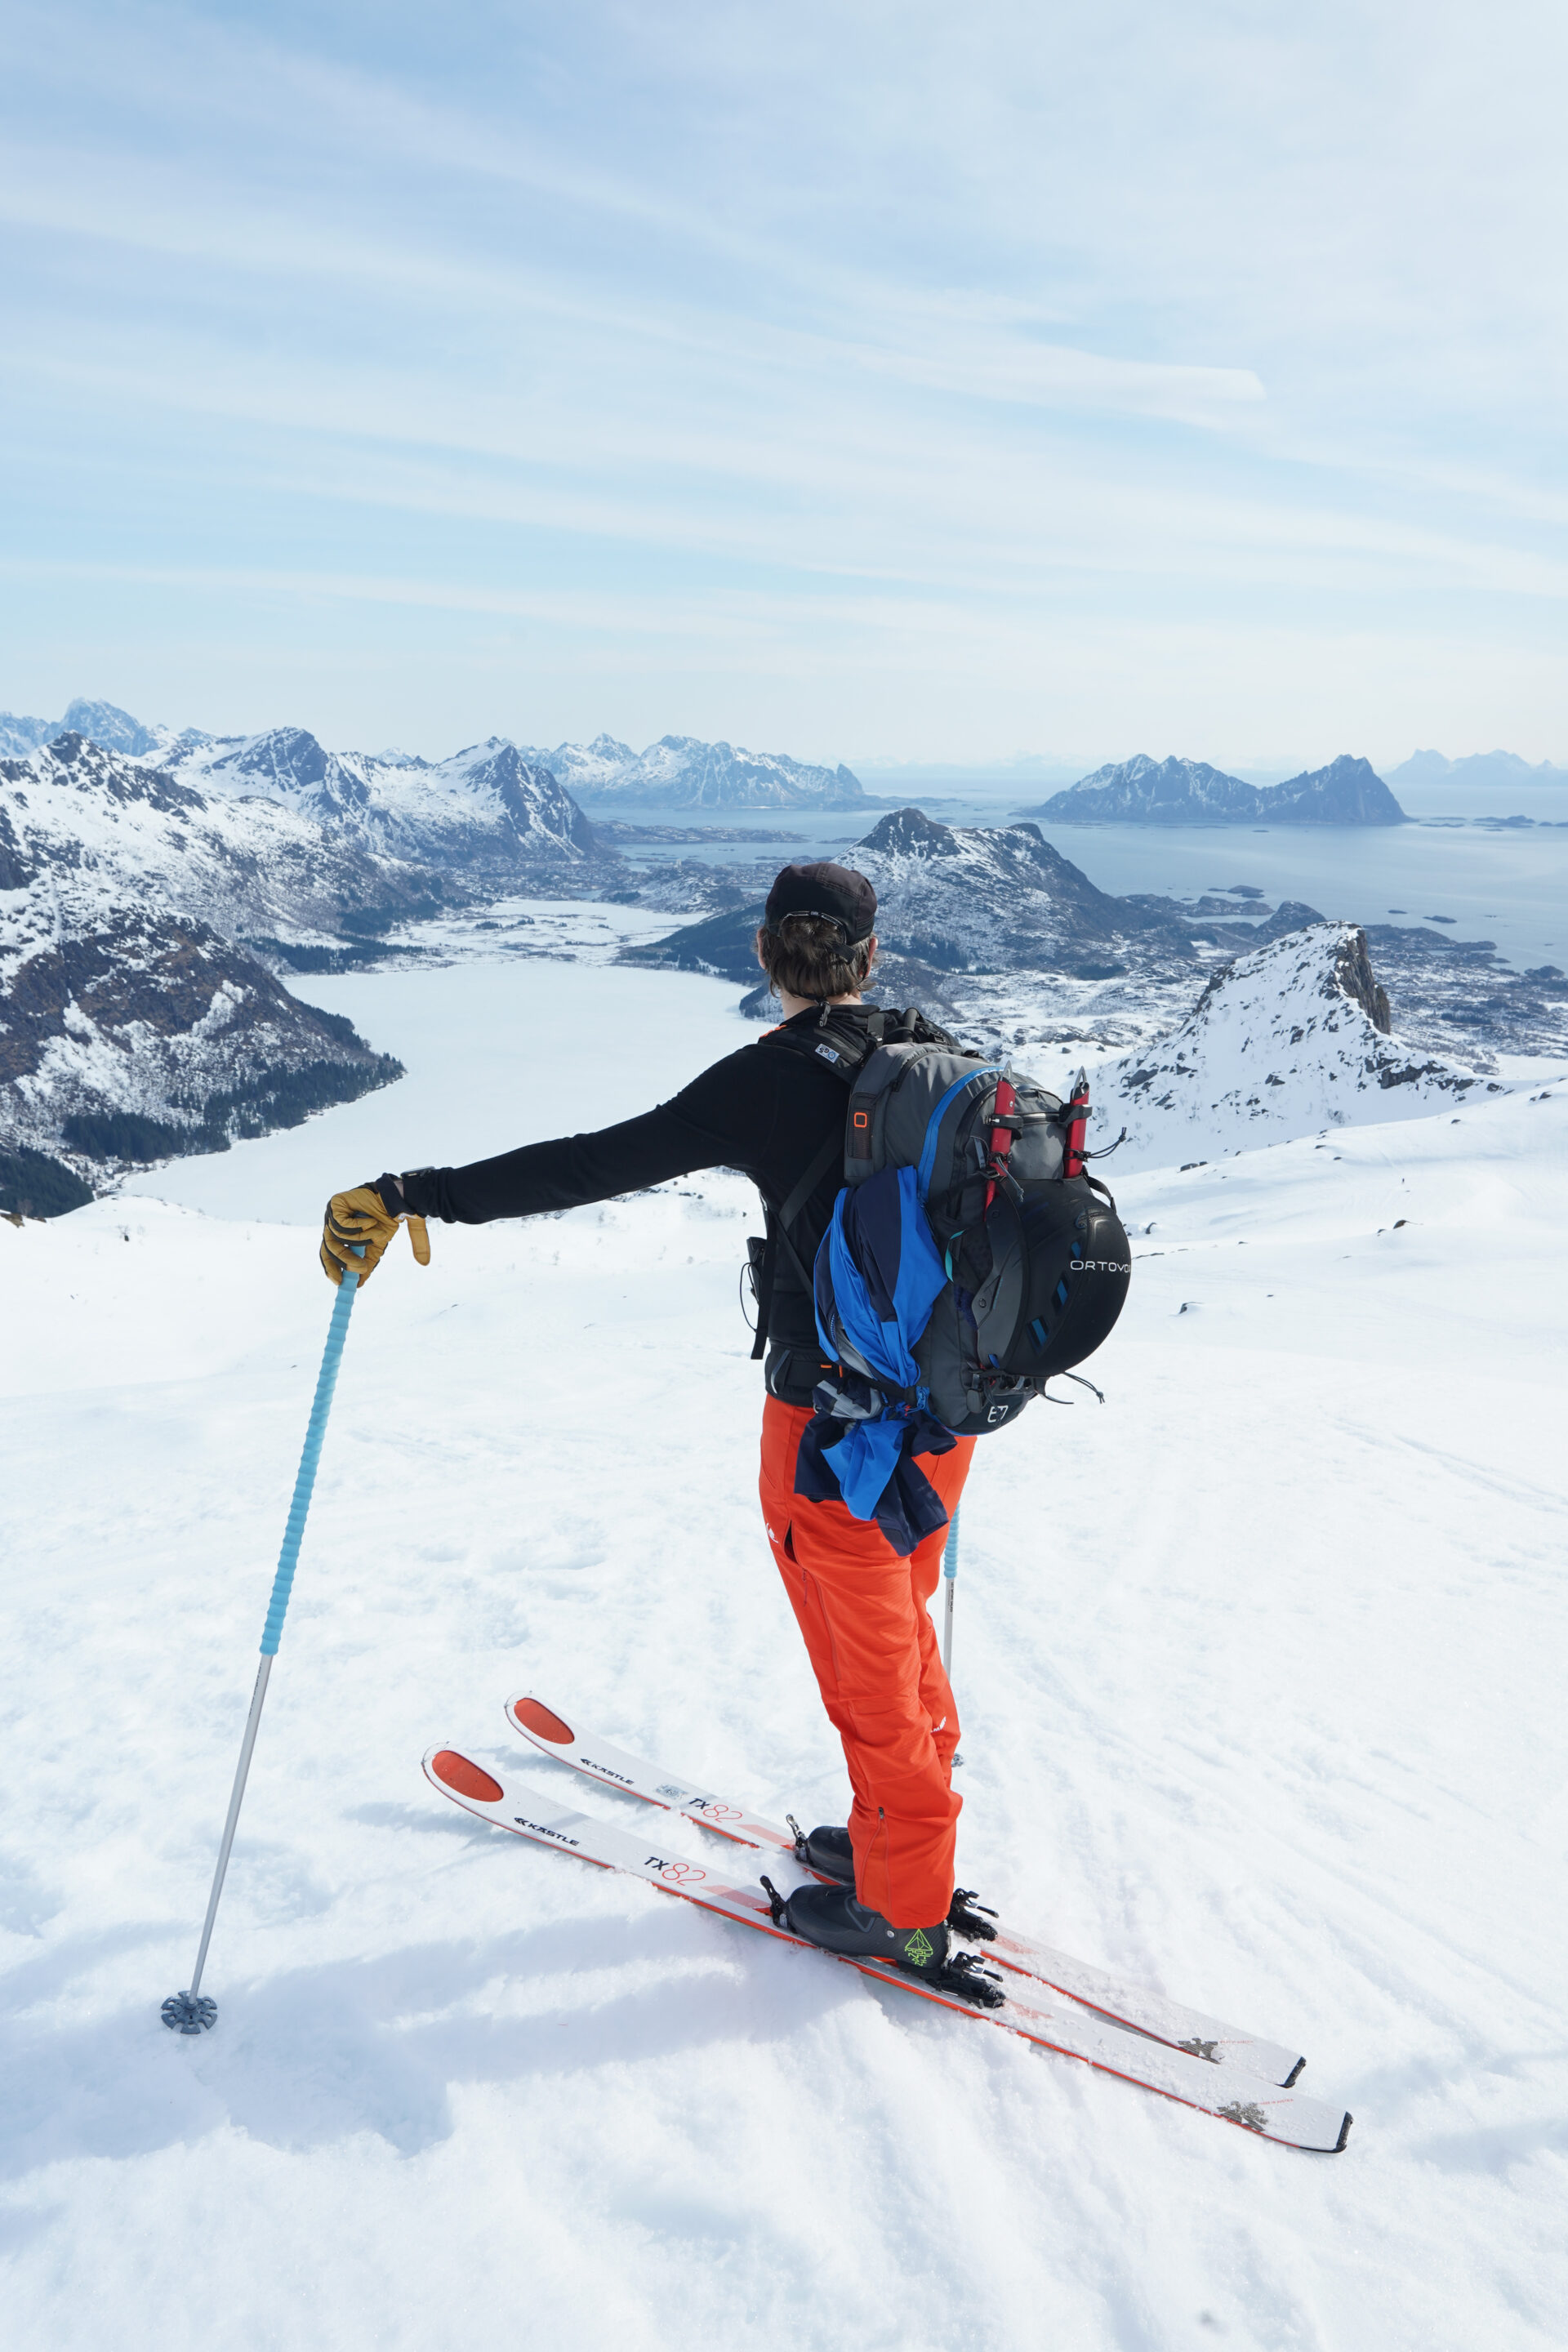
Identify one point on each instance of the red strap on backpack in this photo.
(1078, 1121)
(1001, 1136)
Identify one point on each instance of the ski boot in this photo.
(828, 1851)
(831, 1919)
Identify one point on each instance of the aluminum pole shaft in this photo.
(950, 1576)
(189, 2013)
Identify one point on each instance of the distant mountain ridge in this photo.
(487, 809)
(377, 793)
(102, 722)
(1141, 790)
(1488, 769)
(682, 771)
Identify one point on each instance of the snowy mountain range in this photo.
(134, 1018)
(489, 810)
(466, 808)
(1141, 790)
(680, 771)
(1288, 1040)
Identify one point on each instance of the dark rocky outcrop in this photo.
(149, 1036)
(132, 1025)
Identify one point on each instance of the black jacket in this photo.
(768, 1111)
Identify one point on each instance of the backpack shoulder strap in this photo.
(839, 1045)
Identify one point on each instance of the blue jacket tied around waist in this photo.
(878, 1275)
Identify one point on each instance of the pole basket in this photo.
(186, 2012)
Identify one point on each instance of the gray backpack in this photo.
(1036, 1258)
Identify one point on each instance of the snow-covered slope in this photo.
(132, 1023)
(1141, 790)
(1259, 1666)
(1288, 1040)
(680, 771)
(489, 809)
(83, 827)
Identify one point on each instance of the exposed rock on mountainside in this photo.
(680, 771)
(1141, 790)
(991, 899)
(83, 827)
(1286, 1040)
(489, 811)
(131, 1026)
(142, 1035)
(1347, 791)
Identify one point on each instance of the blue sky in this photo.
(854, 380)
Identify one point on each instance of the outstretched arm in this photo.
(570, 1170)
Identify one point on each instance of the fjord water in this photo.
(1510, 887)
(1507, 886)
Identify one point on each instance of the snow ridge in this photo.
(681, 771)
(488, 809)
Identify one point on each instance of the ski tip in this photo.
(1288, 2081)
(451, 1770)
(1344, 2132)
(530, 1715)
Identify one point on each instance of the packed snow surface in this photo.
(1260, 1665)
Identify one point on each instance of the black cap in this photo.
(834, 892)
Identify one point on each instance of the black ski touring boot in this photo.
(827, 1850)
(831, 1919)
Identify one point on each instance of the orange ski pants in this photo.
(874, 1651)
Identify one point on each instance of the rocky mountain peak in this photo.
(1290, 1039)
(110, 726)
(910, 832)
(1141, 790)
(1354, 978)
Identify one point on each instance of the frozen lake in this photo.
(497, 1054)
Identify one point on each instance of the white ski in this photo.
(1125, 2005)
(1285, 2115)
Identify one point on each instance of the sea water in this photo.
(1467, 881)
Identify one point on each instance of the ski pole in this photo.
(193, 2012)
(950, 1576)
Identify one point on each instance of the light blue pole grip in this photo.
(950, 1557)
(326, 1382)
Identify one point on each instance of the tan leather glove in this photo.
(361, 1220)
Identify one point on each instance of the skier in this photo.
(861, 1605)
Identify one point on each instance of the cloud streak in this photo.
(881, 320)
